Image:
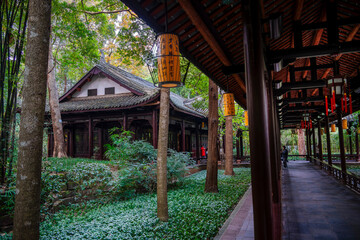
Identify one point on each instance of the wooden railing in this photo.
(347, 178)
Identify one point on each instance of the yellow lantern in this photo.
(333, 128)
(229, 105)
(168, 60)
(202, 124)
(344, 124)
(358, 130)
(321, 131)
(246, 118)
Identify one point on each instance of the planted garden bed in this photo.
(193, 214)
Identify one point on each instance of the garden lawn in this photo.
(193, 214)
(65, 164)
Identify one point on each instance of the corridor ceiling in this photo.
(305, 41)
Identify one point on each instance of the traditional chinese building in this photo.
(108, 97)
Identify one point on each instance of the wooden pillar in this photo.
(341, 144)
(350, 143)
(154, 128)
(229, 158)
(357, 145)
(101, 143)
(71, 140)
(183, 148)
(328, 143)
(314, 141)
(237, 144)
(241, 144)
(91, 143)
(197, 141)
(256, 98)
(320, 143)
(125, 122)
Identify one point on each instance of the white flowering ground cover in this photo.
(193, 214)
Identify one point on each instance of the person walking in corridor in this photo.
(284, 156)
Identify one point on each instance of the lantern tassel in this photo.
(345, 103)
(342, 104)
(326, 106)
(350, 104)
(310, 124)
(333, 102)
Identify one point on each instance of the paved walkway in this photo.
(315, 206)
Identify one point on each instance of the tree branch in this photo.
(107, 12)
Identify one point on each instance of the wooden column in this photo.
(91, 142)
(154, 129)
(229, 158)
(237, 145)
(71, 140)
(257, 102)
(197, 141)
(357, 145)
(314, 140)
(241, 144)
(350, 143)
(328, 143)
(341, 144)
(183, 136)
(320, 143)
(125, 122)
(101, 142)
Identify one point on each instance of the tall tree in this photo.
(211, 184)
(13, 19)
(162, 204)
(229, 146)
(59, 143)
(27, 197)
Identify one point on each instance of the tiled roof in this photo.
(138, 84)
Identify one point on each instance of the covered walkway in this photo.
(315, 206)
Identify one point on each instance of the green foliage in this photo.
(193, 213)
(65, 164)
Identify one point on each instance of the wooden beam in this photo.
(348, 39)
(316, 39)
(209, 37)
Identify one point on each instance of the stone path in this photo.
(315, 206)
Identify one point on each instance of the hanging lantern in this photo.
(229, 105)
(246, 118)
(333, 128)
(321, 131)
(337, 87)
(344, 124)
(202, 125)
(164, 65)
(358, 130)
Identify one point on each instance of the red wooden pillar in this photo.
(154, 129)
(125, 122)
(256, 97)
(314, 141)
(183, 148)
(71, 141)
(238, 145)
(197, 141)
(320, 143)
(341, 144)
(91, 143)
(328, 144)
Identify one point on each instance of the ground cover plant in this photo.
(354, 169)
(193, 214)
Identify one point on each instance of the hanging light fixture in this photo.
(321, 131)
(337, 87)
(333, 128)
(229, 105)
(344, 124)
(165, 63)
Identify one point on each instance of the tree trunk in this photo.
(27, 197)
(59, 143)
(229, 146)
(211, 184)
(301, 142)
(162, 204)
